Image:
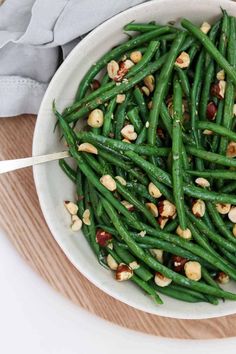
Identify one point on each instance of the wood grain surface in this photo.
(23, 222)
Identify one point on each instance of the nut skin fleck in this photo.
(211, 111)
(178, 263)
(103, 238)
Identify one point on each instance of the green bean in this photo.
(120, 115)
(155, 265)
(132, 43)
(229, 91)
(172, 225)
(211, 235)
(183, 80)
(216, 218)
(208, 78)
(208, 279)
(225, 174)
(211, 196)
(197, 83)
(106, 128)
(151, 50)
(122, 146)
(134, 118)
(138, 96)
(176, 155)
(178, 294)
(211, 156)
(231, 257)
(124, 165)
(91, 228)
(86, 99)
(231, 187)
(141, 283)
(124, 86)
(218, 120)
(68, 170)
(216, 128)
(134, 201)
(213, 34)
(90, 174)
(128, 258)
(211, 48)
(142, 137)
(94, 200)
(144, 27)
(141, 190)
(161, 85)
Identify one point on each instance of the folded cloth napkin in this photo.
(34, 36)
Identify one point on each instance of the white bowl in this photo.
(54, 187)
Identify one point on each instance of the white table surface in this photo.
(34, 319)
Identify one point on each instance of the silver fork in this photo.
(12, 165)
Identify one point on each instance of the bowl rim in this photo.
(37, 177)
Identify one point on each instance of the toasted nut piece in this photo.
(76, 223)
(158, 254)
(134, 265)
(193, 270)
(186, 234)
(71, 207)
(103, 238)
(162, 222)
(149, 81)
(154, 191)
(108, 182)
(161, 280)
(183, 60)
(123, 272)
(178, 263)
(231, 149)
(153, 209)
(147, 124)
(86, 217)
(234, 230)
(120, 98)
(202, 182)
(95, 84)
(111, 262)
(211, 111)
(205, 27)
(218, 89)
(142, 233)
(149, 105)
(128, 132)
(207, 132)
(112, 69)
(198, 208)
(95, 118)
(127, 205)
(87, 147)
(126, 141)
(136, 56)
(123, 69)
(222, 278)
(145, 90)
(234, 109)
(128, 64)
(220, 75)
(223, 208)
(166, 209)
(232, 215)
(121, 180)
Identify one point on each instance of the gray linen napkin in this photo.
(33, 33)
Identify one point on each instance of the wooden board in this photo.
(23, 222)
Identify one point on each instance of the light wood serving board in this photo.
(23, 222)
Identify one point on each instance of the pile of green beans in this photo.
(155, 162)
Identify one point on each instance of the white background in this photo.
(36, 320)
